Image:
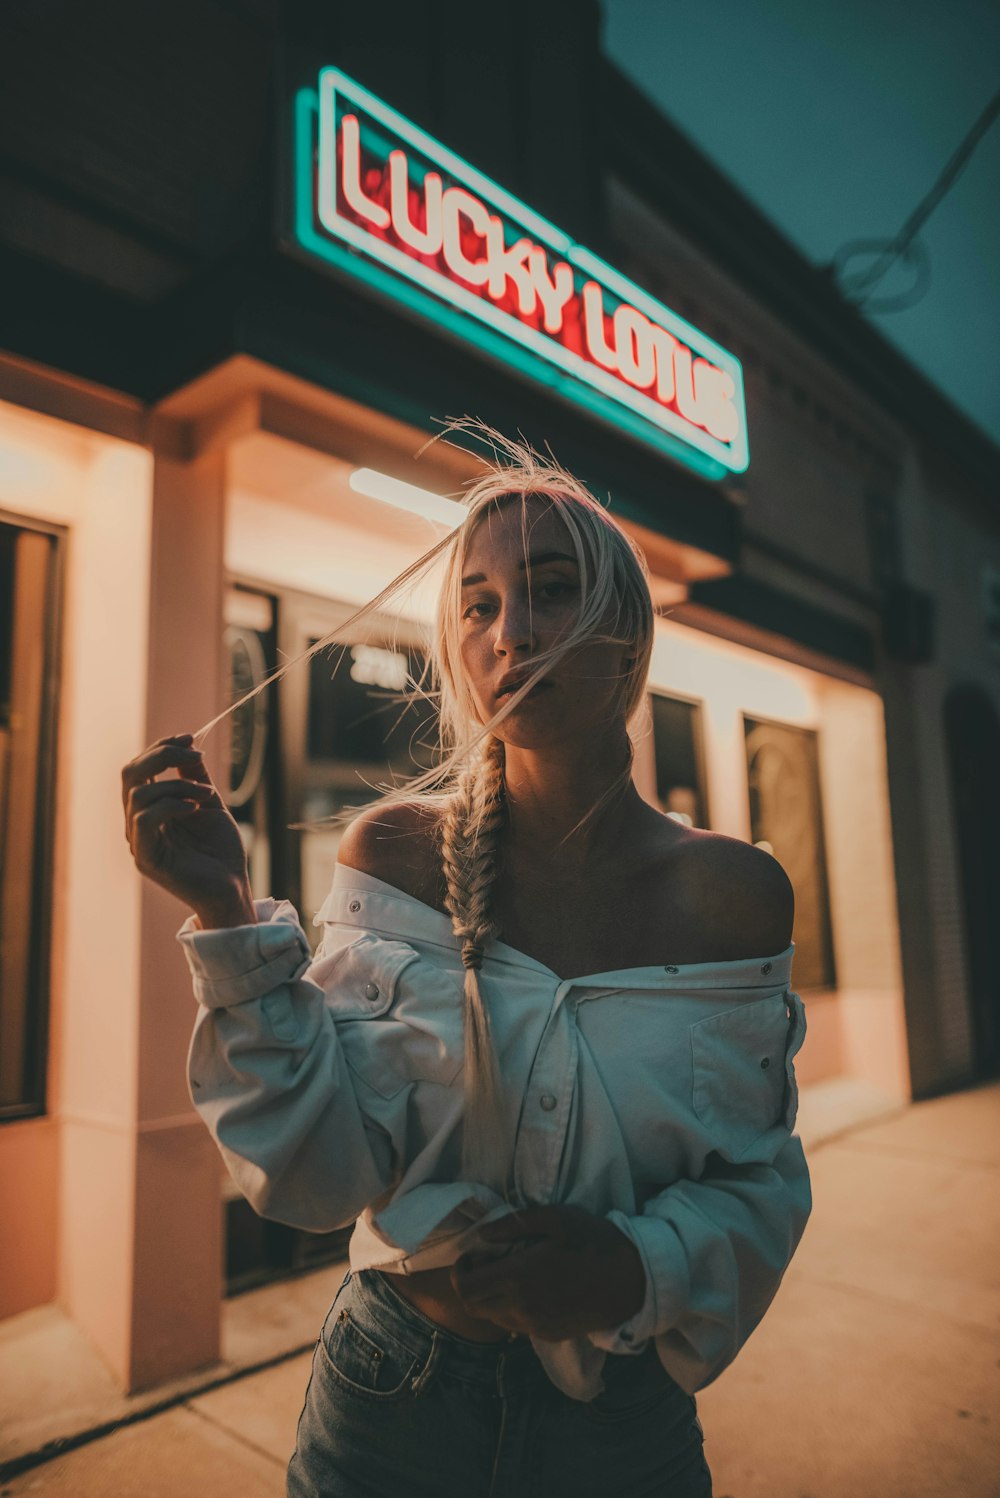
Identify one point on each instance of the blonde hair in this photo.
(467, 783)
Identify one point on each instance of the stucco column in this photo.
(177, 1216)
(140, 1245)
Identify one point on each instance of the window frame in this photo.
(35, 1103)
(811, 736)
(700, 754)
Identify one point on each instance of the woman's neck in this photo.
(549, 796)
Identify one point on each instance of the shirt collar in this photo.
(358, 899)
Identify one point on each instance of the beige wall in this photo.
(854, 779)
(103, 703)
(176, 1239)
(99, 489)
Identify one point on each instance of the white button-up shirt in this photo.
(663, 1098)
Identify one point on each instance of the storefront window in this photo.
(363, 730)
(357, 715)
(786, 818)
(29, 615)
(680, 777)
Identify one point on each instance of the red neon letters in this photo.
(456, 234)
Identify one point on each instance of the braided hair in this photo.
(469, 833)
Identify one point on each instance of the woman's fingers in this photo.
(167, 754)
(153, 792)
(154, 760)
(148, 849)
(153, 818)
(500, 1276)
(202, 861)
(149, 806)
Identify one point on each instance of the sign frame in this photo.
(321, 231)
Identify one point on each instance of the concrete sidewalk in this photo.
(876, 1373)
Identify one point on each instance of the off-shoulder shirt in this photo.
(663, 1098)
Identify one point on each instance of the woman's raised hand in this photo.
(181, 834)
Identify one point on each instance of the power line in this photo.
(859, 288)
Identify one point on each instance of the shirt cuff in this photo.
(662, 1303)
(237, 963)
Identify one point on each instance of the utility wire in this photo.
(859, 288)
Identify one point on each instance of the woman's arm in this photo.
(266, 1068)
(715, 1251)
(268, 1076)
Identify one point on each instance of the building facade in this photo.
(232, 316)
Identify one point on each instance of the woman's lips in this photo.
(540, 686)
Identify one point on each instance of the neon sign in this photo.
(385, 203)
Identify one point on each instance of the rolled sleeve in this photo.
(632, 1335)
(238, 963)
(715, 1251)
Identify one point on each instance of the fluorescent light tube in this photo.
(407, 497)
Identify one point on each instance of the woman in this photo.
(535, 1054)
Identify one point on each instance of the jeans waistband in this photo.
(476, 1361)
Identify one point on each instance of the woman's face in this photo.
(515, 606)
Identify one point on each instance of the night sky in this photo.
(836, 117)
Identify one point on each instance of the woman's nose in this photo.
(514, 630)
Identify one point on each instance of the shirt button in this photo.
(355, 905)
(766, 969)
(371, 991)
(671, 970)
(548, 1102)
(765, 1063)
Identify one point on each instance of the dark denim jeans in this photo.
(398, 1407)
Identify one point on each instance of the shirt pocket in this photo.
(743, 1080)
(398, 1016)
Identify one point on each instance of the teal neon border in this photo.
(470, 318)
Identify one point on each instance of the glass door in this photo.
(321, 739)
(347, 730)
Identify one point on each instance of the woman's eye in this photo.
(547, 592)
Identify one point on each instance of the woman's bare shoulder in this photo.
(734, 888)
(398, 844)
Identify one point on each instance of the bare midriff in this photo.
(432, 1292)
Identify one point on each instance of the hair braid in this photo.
(470, 833)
